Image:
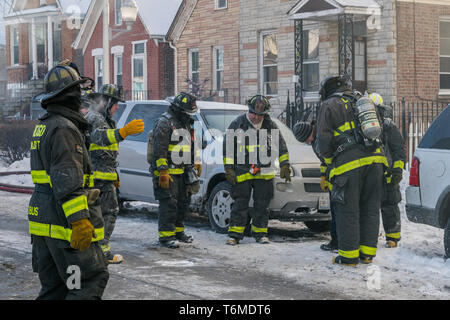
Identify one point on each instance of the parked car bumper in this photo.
(423, 215)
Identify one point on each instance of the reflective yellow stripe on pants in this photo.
(249, 176)
(236, 229)
(58, 232)
(357, 164)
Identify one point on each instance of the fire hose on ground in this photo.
(14, 188)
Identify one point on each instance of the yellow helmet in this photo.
(376, 99)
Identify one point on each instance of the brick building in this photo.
(140, 60)
(206, 35)
(423, 49)
(39, 33)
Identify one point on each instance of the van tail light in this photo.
(414, 180)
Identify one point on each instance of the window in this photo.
(57, 44)
(139, 74)
(98, 72)
(14, 45)
(444, 56)
(149, 113)
(269, 59)
(118, 69)
(119, 112)
(118, 12)
(193, 65)
(218, 68)
(40, 35)
(311, 60)
(221, 4)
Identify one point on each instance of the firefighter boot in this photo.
(171, 244)
(232, 241)
(365, 259)
(183, 237)
(345, 261)
(331, 246)
(263, 240)
(113, 258)
(391, 243)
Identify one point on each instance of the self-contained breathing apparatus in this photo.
(367, 131)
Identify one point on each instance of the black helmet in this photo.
(259, 105)
(331, 84)
(109, 91)
(302, 130)
(88, 83)
(56, 81)
(186, 102)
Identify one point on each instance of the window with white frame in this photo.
(118, 12)
(444, 55)
(269, 65)
(221, 4)
(118, 69)
(98, 72)
(310, 70)
(218, 56)
(139, 74)
(194, 65)
(14, 45)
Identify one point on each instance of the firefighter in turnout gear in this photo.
(105, 139)
(65, 220)
(246, 170)
(355, 171)
(395, 150)
(171, 159)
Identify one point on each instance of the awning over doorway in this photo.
(331, 9)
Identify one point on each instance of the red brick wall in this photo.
(418, 77)
(205, 29)
(138, 33)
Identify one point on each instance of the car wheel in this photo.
(219, 207)
(318, 226)
(447, 240)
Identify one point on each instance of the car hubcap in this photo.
(221, 208)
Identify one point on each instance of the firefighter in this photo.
(104, 147)
(395, 149)
(305, 132)
(172, 150)
(247, 171)
(355, 171)
(65, 220)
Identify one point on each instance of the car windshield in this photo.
(286, 133)
(221, 120)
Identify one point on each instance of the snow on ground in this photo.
(17, 180)
(415, 270)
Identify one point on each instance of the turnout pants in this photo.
(357, 195)
(110, 210)
(51, 259)
(173, 206)
(390, 211)
(241, 193)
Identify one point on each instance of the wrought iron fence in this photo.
(413, 118)
(226, 95)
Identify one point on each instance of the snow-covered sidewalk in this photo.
(415, 270)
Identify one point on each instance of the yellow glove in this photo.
(230, 175)
(164, 179)
(285, 173)
(82, 233)
(198, 168)
(324, 184)
(133, 127)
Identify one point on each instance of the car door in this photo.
(136, 180)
